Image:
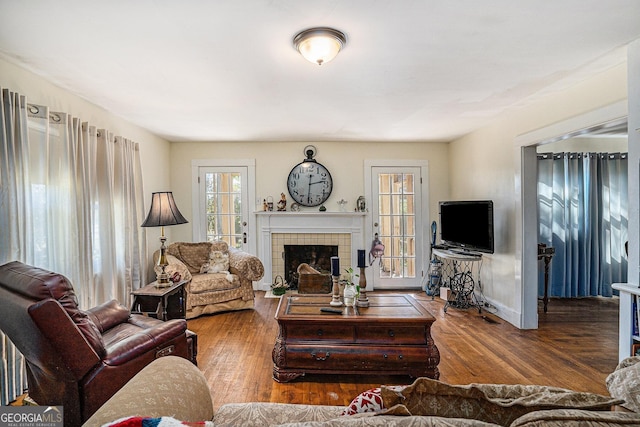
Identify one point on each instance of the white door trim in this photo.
(526, 181)
(424, 230)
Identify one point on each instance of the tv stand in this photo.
(457, 272)
(463, 252)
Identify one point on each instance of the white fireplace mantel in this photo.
(271, 222)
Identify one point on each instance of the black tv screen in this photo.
(467, 225)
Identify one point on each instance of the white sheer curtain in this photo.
(71, 201)
(119, 256)
(15, 216)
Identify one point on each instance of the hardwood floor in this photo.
(575, 347)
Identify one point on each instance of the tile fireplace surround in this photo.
(276, 229)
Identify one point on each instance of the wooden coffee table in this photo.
(391, 336)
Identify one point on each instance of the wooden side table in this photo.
(162, 303)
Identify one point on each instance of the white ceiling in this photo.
(412, 70)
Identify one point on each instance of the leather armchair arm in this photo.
(248, 266)
(146, 340)
(109, 314)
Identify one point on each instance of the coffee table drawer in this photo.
(352, 358)
(391, 334)
(321, 332)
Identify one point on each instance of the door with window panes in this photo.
(224, 204)
(397, 220)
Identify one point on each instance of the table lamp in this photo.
(163, 212)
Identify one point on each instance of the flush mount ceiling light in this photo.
(319, 45)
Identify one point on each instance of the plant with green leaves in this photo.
(349, 279)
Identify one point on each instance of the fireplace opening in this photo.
(317, 256)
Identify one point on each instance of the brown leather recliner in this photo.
(74, 358)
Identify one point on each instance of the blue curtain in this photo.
(582, 213)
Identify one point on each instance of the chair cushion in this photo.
(105, 316)
(193, 255)
(208, 282)
(273, 414)
(142, 334)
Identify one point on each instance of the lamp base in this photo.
(163, 282)
(163, 278)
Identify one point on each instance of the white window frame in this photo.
(250, 164)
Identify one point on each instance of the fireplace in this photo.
(317, 256)
(279, 229)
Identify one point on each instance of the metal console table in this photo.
(458, 270)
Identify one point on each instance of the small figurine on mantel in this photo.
(282, 203)
(361, 204)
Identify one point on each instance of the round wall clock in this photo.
(309, 182)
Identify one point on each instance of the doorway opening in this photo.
(527, 225)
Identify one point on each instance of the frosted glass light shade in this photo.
(319, 45)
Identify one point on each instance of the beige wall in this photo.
(155, 150)
(274, 161)
(485, 165)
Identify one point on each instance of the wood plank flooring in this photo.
(575, 347)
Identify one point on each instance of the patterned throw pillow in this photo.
(156, 422)
(368, 401)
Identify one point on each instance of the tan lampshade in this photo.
(319, 45)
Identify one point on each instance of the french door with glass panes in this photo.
(223, 201)
(397, 221)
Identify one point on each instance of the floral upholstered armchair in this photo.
(211, 292)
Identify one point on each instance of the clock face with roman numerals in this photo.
(309, 183)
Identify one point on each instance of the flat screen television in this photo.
(467, 225)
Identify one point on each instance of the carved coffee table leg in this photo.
(280, 373)
(284, 376)
(433, 358)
